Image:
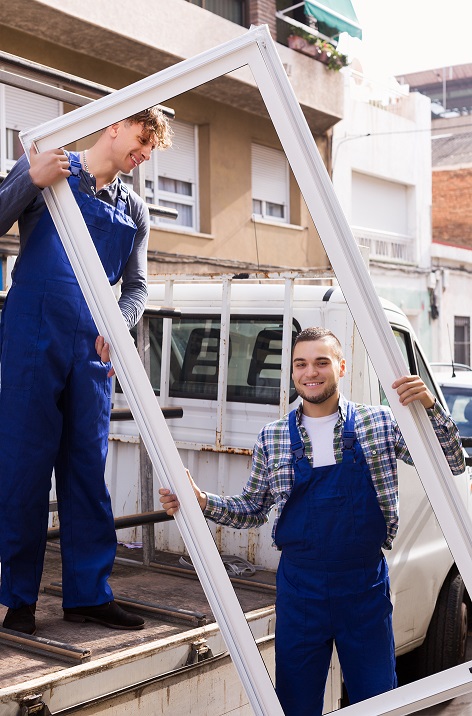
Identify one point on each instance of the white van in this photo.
(215, 437)
(220, 351)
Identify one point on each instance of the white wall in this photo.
(382, 177)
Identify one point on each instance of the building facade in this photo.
(450, 92)
(238, 204)
(382, 176)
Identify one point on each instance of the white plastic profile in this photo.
(257, 50)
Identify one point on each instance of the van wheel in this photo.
(446, 639)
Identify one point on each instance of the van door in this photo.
(420, 558)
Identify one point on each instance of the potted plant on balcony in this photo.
(321, 50)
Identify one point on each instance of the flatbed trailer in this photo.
(71, 667)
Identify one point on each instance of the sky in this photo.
(401, 36)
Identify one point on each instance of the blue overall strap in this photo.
(297, 446)
(74, 164)
(123, 193)
(349, 432)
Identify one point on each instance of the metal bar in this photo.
(164, 211)
(121, 523)
(286, 357)
(223, 362)
(164, 311)
(170, 612)
(151, 608)
(166, 347)
(45, 647)
(77, 84)
(43, 89)
(190, 574)
(145, 464)
(126, 414)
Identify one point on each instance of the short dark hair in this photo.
(317, 333)
(155, 124)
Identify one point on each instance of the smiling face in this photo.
(316, 370)
(132, 145)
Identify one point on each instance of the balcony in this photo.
(164, 34)
(385, 246)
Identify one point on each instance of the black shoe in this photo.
(21, 619)
(109, 614)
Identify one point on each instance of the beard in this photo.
(327, 393)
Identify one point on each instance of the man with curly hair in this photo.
(55, 391)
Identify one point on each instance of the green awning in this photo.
(336, 15)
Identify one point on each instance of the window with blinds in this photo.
(177, 174)
(270, 184)
(462, 339)
(234, 10)
(20, 110)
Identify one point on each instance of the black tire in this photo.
(446, 639)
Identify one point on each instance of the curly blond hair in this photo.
(155, 125)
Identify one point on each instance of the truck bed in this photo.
(172, 602)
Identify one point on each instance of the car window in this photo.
(425, 375)
(254, 358)
(404, 341)
(459, 401)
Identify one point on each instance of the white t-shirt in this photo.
(321, 434)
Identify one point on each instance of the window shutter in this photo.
(24, 110)
(179, 162)
(269, 175)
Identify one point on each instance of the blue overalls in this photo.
(55, 410)
(332, 581)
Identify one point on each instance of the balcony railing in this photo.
(386, 246)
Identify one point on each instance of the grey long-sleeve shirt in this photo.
(22, 201)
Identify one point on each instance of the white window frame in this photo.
(265, 194)
(257, 50)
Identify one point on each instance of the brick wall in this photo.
(262, 12)
(452, 206)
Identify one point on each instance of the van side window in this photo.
(254, 352)
(415, 362)
(425, 375)
(255, 355)
(404, 341)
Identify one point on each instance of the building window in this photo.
(270, 184)
(177, 175)
(14, 146)
(21, 110)
(462, 339)
(234, 10)
(382, 217)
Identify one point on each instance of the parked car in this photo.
(457, 390)
(450, 367)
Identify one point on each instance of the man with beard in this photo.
(329, 468)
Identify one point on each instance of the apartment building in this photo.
(238, 204)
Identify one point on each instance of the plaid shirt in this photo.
(382, 443)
